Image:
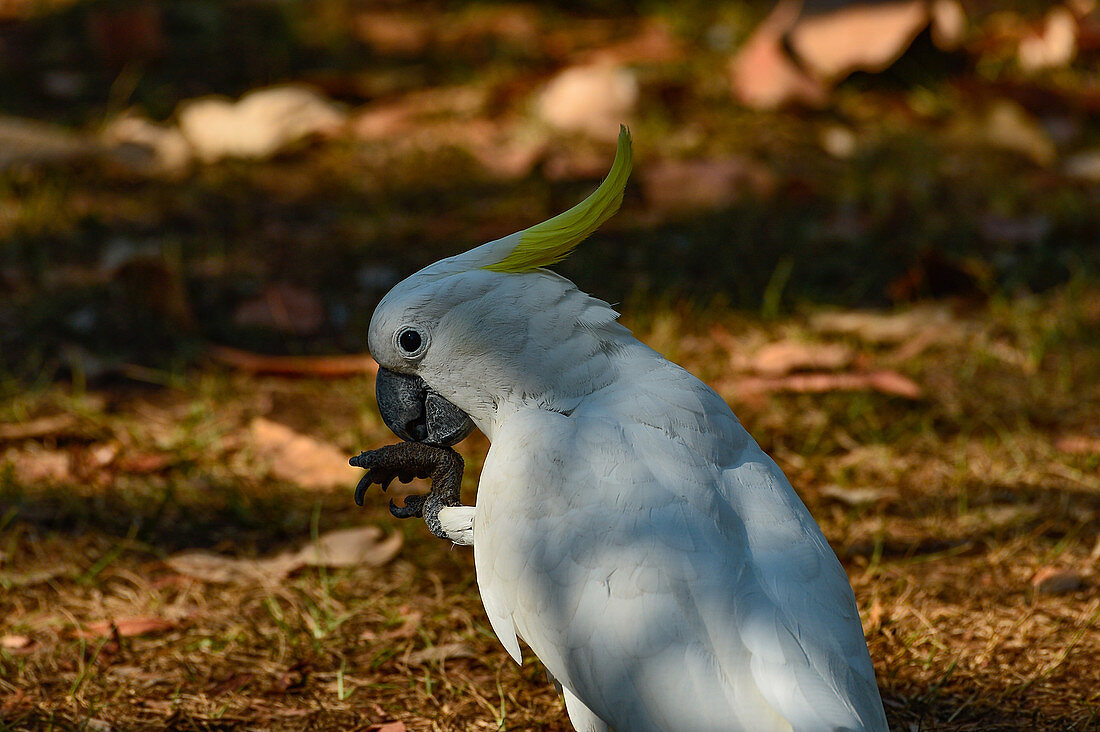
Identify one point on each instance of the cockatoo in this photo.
(627, 528)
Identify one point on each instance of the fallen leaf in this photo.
(323, 366)
(949, 24)
(38, 465)
(14, 642)
(784, 357)
(218, 569)
(393, 32)
(146, 146)
(25, 141)
(1053, 46)
(592, 99)
(887, 328)
(298, 458)
(885, 381)
(1009, 126)
(853, 496)
(260, 124)
(364, 545)
(655, 42)
(37, 428)
(126, 627)
(145, 462)
(442, 653)
(387, 727)
(97, 725)
(1078, 444)
(762, 73)
(859, 36)
(1055, 581)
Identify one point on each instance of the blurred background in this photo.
(873, 227)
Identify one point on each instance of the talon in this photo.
(413, 508)
(361, 488)
(407, 461)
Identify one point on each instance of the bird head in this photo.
(482, 333)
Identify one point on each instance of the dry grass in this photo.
(946, 509)
(970, 499)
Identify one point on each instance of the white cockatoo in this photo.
(627, 528)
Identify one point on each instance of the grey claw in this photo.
(413, 508)
(361, 488)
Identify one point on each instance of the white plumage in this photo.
(627, 527)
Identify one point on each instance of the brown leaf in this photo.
(853, 496)
(861, 36)
(655, 42)
(263, 122)
(785, 357)
(27, 141)
(1055, 581)
(298, 458)
(442, 653)
(145, 462)
(38, 465)
(323, 366)
(763, 75)
(37, 428)
(363, 545)
(394, 33)
(590, 99)
(885, 381)
(888, 328)
(1054, 45)
(14, 642)
(126, 627)
(1078, 444)
(217, 569)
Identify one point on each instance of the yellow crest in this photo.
(553, 240)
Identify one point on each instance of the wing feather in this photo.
(667, 574)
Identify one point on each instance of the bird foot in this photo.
(406, 461)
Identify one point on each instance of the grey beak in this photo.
(415, 413)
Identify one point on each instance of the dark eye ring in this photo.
(409, 340)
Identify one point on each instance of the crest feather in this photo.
(553, 240)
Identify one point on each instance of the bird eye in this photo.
(409, 341)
